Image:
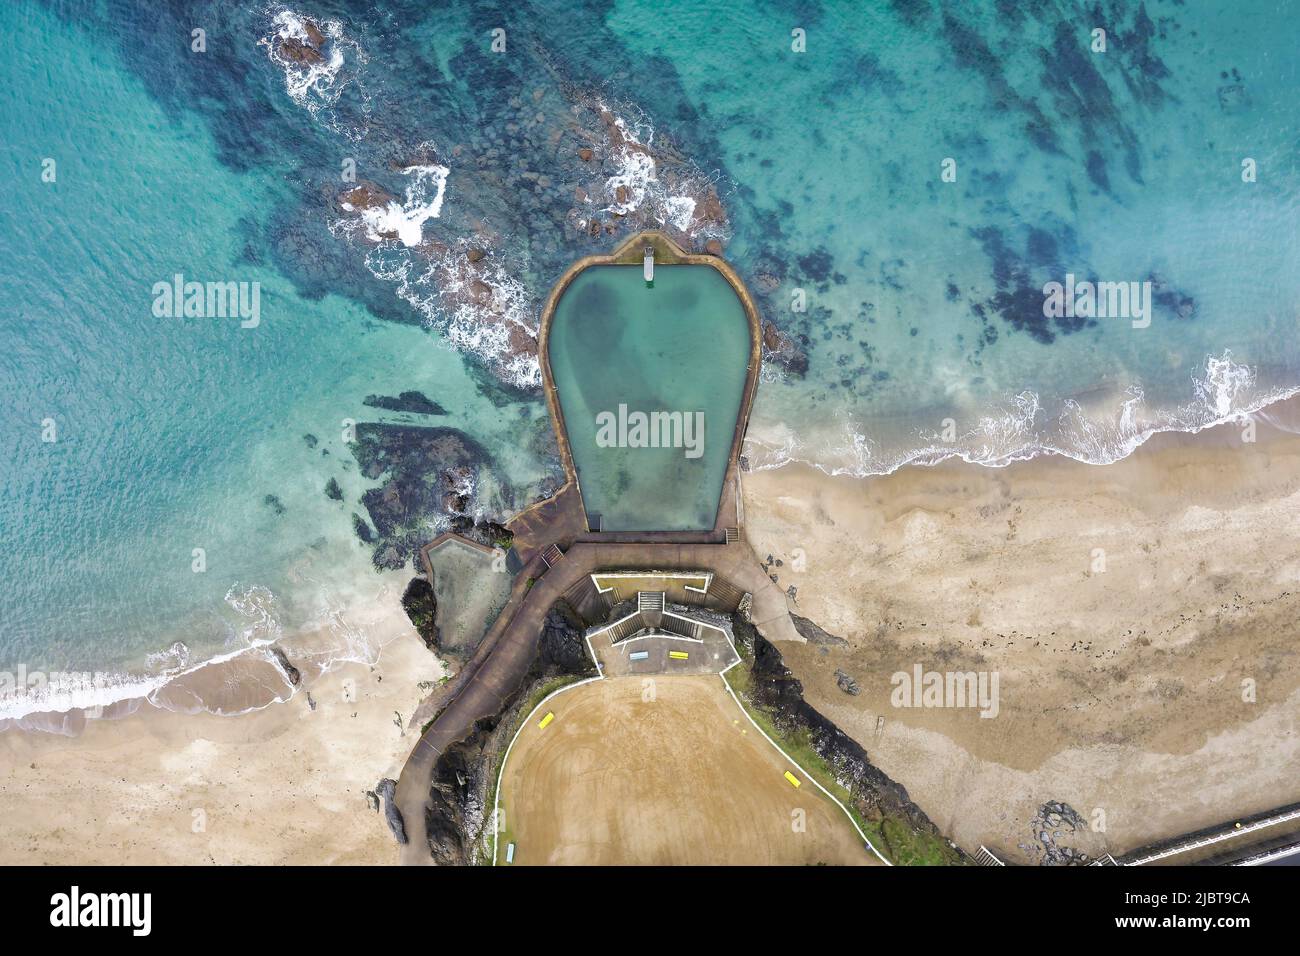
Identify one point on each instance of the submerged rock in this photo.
(1233, 98)
(427, 473)
(781, 350)
(415, 402)
(362, 529)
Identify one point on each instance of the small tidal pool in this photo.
(650, 381)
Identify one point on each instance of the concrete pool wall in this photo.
(667, 254)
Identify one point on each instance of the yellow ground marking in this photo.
(550, 716)
(678, 655)
(794, 781)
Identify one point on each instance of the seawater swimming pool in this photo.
(640, 372)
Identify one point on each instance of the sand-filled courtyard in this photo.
(664, 770)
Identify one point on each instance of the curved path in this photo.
(506, 653)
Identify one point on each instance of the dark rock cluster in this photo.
(847, 684)
(421, 606)
(384, 793)
(417, 403)
(426, 473)
(1056, 821)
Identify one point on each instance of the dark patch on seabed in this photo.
(426, 472)
(1018, 296)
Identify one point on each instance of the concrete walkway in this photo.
(506, 653)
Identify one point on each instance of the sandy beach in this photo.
(285, 784)
(1127, 610)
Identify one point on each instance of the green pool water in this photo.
(681, 347)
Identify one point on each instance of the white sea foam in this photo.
(424, 196)
(317, 87)
(637, 173)
(1223, 391)
(257, 607)
(60, 702)
(176, 656)
(28, 698)
(435, 286)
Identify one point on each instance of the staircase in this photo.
(726, 594)
(986, 858)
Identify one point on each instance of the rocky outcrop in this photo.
(1054, 822)
(562, 641)
(847, 684)
(365, 195)
(780, 349)
(385, 792)
(421, 606)
(291, 673)
(666, 190)
(426, 473)
(780, 695)
(462, 275)
(814, 634)
(456, 812)
(459, 812)
(309, 48)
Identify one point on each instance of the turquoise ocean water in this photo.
(920, 300)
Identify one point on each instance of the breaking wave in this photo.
(406, 220)
(317, 78)
(1223, 391)
(478, 313)
(247, 677)
(637, 187)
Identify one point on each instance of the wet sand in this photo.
(285, 784)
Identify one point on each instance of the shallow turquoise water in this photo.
(922, 297)
(681, 347)
(837, 153)
(171, 432)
